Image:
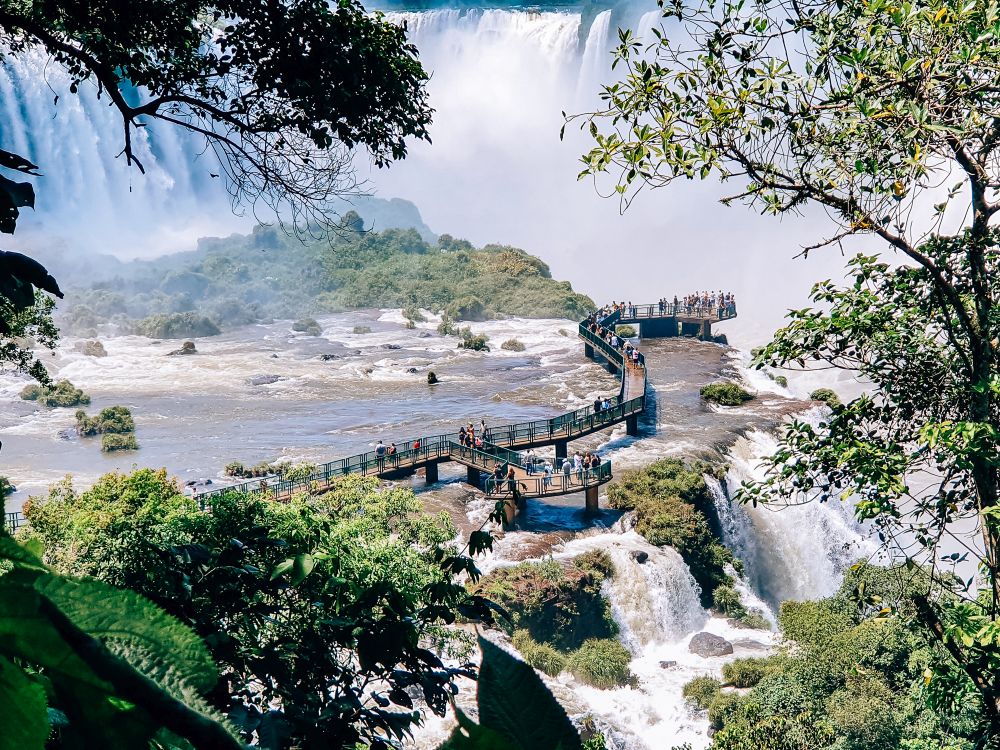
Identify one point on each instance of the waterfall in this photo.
(595, 58)
(797, 552)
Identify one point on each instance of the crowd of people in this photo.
(611, 337)
(699, 303)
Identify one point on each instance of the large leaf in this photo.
(25, 714)
(470, 736)
(15, 161)
(514, 702)
(18, 554)
(13, 195)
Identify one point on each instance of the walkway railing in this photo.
(717, 312)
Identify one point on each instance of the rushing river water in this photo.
(264, 392)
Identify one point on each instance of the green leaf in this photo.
(25, 719)
(514, 702)
(18, 554)
(470, 736)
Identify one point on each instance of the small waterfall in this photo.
(653, 602)
(797, 552)
(596, 64)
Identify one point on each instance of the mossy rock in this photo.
(828, 397)
(512, 345)
(177, 326)
(112, 442)
(602, 663)
(701, 691)
(91, 348)
(308, 326)
(114, 420)
(472, 341)
(6, 488)
(558, 603)
(62, 393)
(626, 331)
(359, 330)
(725, 394)
(781, 380)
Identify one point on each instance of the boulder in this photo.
(423, 335)
(431, 378)
(186, 348)
(639, 556)
(264, 379)
(329, 357)
(91, 348)
(708, 644)
(411, 370)
(391, 346)
(668, 664)
(750, 644)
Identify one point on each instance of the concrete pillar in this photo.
(632, 425)
(690, 329)
(588, 351)
(706, 331)
(612, 367)
(509, 511)
(472, 475)
(561, 449)
(431, 473)
(591, 496)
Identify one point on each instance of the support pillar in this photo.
(706, 331)
(561, 449)
(472, 475)
(591, 497)
(509, 511)
(690, 329)
(588, 351)
(431, 473)
(612, 367)
(632, 425)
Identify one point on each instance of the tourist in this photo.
(380, 455)
(512, 480)
(391, 450)
(597, 405)
(578, 465)
(547, 475)
(461, 436)
(497, 478)
(529, 462)
(566, 469)
(416, 445)
(482, 427)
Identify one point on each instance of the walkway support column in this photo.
(591, 496)
(472, 475)
(632, 425)
(509, 511)
(706, 331)
(431, 473)
(561, 449)
(588, 351)
(612, 367)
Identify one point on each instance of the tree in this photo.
(884, 115)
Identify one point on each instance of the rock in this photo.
(329, 357)
(391, 346)
(274, 356)
(707, 644)
(423, 335)
(640, 556)
(264, 379)
(668, 664)
(91, 348)
(750, 644)
(186, 348)
(412, 370)
(431, 378)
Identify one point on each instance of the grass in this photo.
(602, 663)
(725, 394)
(62, 393)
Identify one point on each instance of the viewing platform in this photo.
(656, 321)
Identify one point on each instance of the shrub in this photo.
(114, 419)
(602, 663)
(114, 441)
(476, 343)
(307, 325)
(358, 330)
(62, 393)
(827, 396)
(626, 331)
(410, 325)
(6, 488)
(725, 394)
(745, 673)
(813, 623)
(723, 705)
(726, 600)
(176, 326)
(412, 313)
(701, 691)
(447, 327)
(755, 620)
(297, 473)
(541, 656)
(235, 469)
(781, 380)
(466, 308)
(512, 345)
(595, 561)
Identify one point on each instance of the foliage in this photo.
(298, 472)
(781, 380)
(96, 666)
(673, 506)
(447, 326)
(6, 488)
(412, 313)
(884, 117)
(264, 276)
(238, 469)
(21, 324)
(470, 340)
(516, 710)
(361, 330)
(725, 394)
(178, 325)
(113, 419)
(112, 442)
(512, 345)
(541, 656)
(557, 604)
(61, 393)
(360, 581)
(308, 326)
(626, 331)
(701, 690)
(845, 682)
(602, 663)
(827, 396)
(466, 308)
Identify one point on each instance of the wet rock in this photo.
(91, 348)
(750, 644)
(264, 379)
(411, 370)
(708, 644)
(668, 664)
(186, 348)
(640, 556)
(431, 378)
(329, 357)
(423, 335)
(391, 346)
(274, 356)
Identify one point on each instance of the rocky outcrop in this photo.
(186, 348)
(91, 348)
(708, 645)
(264, 379)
